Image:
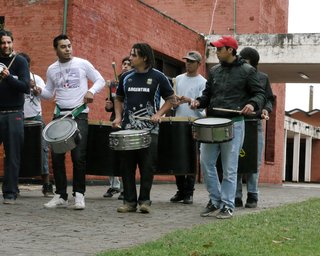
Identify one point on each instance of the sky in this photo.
(303, 18)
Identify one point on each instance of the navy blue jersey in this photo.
(141, 94)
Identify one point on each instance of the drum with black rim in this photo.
(177, 150)
(31, 158)
(101, 159)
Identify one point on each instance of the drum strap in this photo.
(237, 118)
(75, 112)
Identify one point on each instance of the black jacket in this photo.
(264, 80)
(232, 86)
(13, 88)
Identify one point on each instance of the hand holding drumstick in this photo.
(109, 104)
(247, 110)
(35, 89)
(116, 123)
(265, 114)
(183, 100)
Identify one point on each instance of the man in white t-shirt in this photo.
(189, 86)
(67, 82)
(33, 112)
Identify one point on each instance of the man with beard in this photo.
(14, 83)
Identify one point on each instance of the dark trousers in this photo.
(145, 160)
(78, 156)
(185, 184)
(12, 137)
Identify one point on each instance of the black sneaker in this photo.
(238, 202)
(251, 203)
(210, 210)
(111, 191)
(177, 198)
(225, 213)
(188, 200)
(47, 190)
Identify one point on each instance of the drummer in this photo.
(33, 112)
(188, 87)
(115, 182)
(138, 95)
(67, 82)
(252, 56)
(14, 82)
(232, 84)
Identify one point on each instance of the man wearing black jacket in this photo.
(252, 57)
(14, 83)
(232, 85)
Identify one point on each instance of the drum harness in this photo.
(74, 112)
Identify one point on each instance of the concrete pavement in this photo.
(27, 228)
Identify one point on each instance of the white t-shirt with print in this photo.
(32, 103)
(69, 82)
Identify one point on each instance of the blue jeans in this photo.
(253, 177)
(12, 137)
(114, 182)
(222, 194)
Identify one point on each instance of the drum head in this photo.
(59, 130)
(212, 121)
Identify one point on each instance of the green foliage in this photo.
(289, 230)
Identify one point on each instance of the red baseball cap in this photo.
(225, 41)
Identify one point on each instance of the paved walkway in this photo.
(28, 229)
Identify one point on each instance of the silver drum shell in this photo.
(212, 130)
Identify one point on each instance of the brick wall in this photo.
(271, 172)
(101, 31)
(264, 16)
(302, 116)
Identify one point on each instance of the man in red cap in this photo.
(232, 85)
(228, 41)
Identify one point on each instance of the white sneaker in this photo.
(79, 202)
(56, 202)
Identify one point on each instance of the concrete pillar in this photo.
(307, 165)
(296, 157)
(284, 154)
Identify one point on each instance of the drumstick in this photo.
(34, 79)
(70, 112)
(174, 85)
(14, 57)
(142, 118)
(231, 110)
(108, 89)
(115, 72)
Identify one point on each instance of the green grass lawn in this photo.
(289, 230)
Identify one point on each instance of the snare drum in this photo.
(129, 139)
(31, 158)
(212, 130)
(176, 147)
(62, 135)
(101, 159)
